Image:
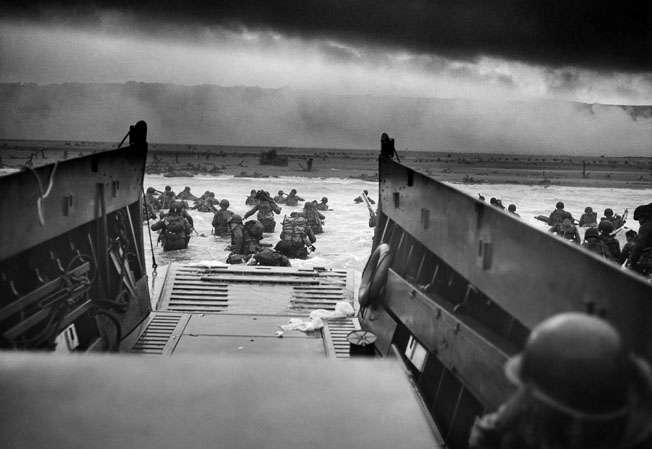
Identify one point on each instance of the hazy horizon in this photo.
(259, 117)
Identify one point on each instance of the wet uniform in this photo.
(266, 211)
(175, 231)
(296, 236)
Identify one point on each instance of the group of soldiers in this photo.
(297, 237)
(599, 236)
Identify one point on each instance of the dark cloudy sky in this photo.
(583, 50)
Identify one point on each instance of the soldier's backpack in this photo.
(271, 258)
(599, 247)
(255, 228)
(222, 218)
(175, 224)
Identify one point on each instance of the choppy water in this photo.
(346, 241)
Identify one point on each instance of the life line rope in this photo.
(42, 195)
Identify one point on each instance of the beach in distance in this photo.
(176, 160)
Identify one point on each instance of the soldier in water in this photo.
(266, 209)
(297, 238)
(221, 219)
(175, 229)
(558, 215)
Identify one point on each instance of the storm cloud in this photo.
(601, 35)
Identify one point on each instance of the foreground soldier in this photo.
(175, 229)
(606, 228)
(627, 248)
(242, 243)
(640, 258)
(594, 243)
(221, 219)
(296, 238)
(578, 388)
(270, 258)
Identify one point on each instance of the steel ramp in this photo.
(240, 309)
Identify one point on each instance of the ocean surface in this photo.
(347, 238)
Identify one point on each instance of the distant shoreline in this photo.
(468, 168)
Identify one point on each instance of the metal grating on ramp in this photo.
(160, 335)
(251, 289)
(316, 297)
(335, 332)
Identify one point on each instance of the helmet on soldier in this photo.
(643, 211)
(591, 233)
(225, 203)
(576, 364)
(324, 200)
(235, 218)
(608, 212)
(606, 226)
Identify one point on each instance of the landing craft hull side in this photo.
(71, 251)
(468, 282)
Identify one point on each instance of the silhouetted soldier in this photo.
(387, 148)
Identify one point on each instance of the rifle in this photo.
(372, 213)
(262, 196)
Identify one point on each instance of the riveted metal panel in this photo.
(529, 273)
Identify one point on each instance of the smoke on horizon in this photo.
(245, 116)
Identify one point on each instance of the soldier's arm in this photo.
(252, 211)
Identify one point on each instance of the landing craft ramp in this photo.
(239, 310)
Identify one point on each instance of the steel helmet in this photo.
(606, 226)
(588, 210)
(644, 211)
(324, 200)
(151, 190)
(225, 203)
(235, 218)
(576, 364)
(591, 233)
(175, 209)
(608, 212)
(559, 205)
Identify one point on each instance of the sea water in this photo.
(347, 238)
